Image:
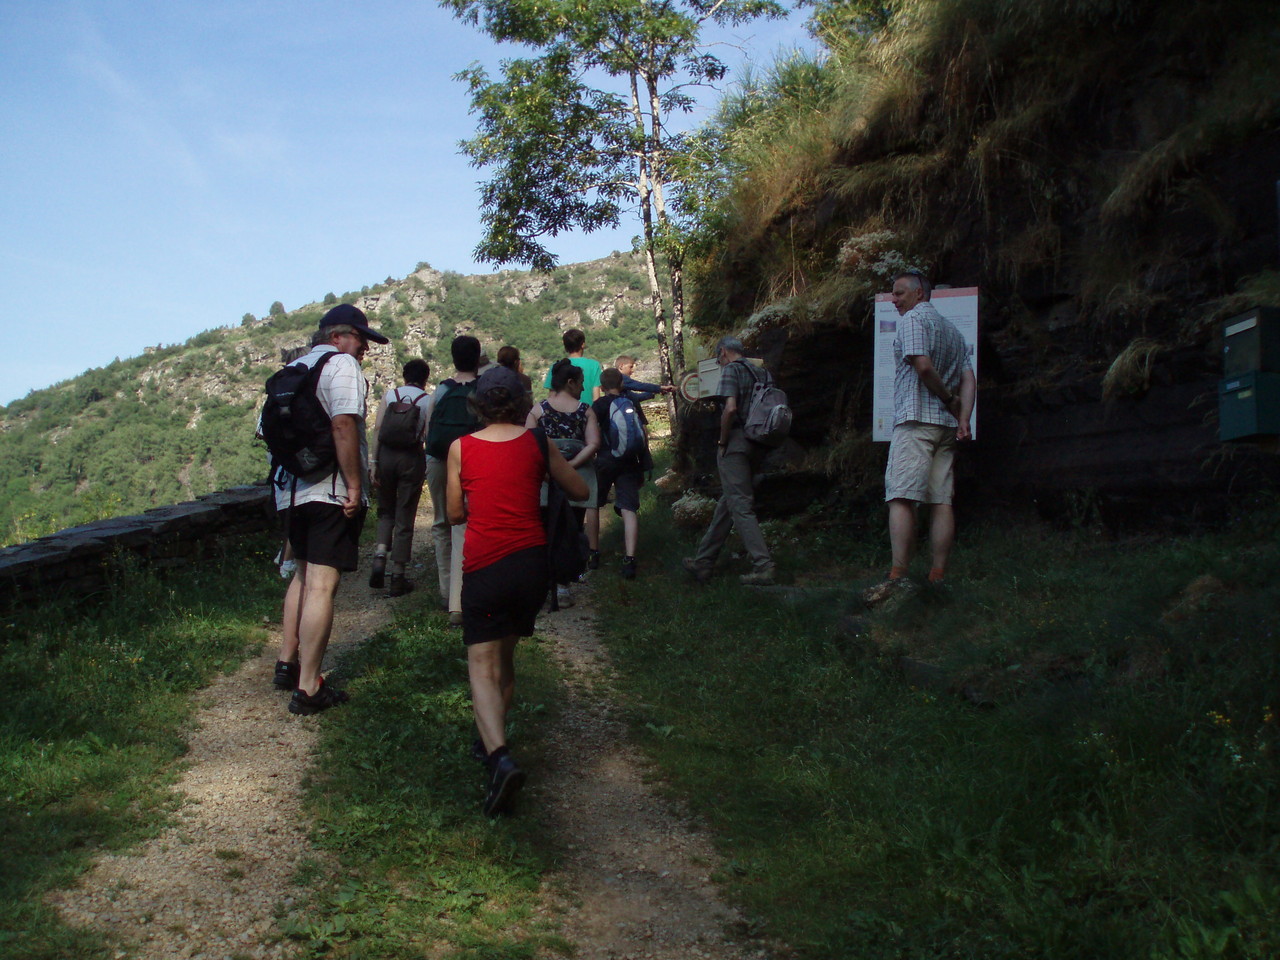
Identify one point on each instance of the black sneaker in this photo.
(478, 752)
(378, 574)
(628, 568)
(324, 698)
(593, 560)
(505, 780)
(286, 676)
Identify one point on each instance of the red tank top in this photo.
(501, 481)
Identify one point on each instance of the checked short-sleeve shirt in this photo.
(922, 331)
(736, 381)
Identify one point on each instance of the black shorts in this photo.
(320, 533)
(627, 477)
(503, 599)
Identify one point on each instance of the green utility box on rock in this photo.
(1249, 394)
(1249, 406)
(1251, 342)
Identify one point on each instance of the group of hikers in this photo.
(495, 465)
(486, 453)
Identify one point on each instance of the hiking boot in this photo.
(762, 577)
(378, 573)
(699, 571)
(478, 752)
(505, 780)
(286, 676)
(399, 586)
(563, 597)
(628, 568)
(593, 560)
(305, 705)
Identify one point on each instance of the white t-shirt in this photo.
(342, 389)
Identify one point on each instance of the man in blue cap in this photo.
(326, 515)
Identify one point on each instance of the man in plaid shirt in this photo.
(933, 393)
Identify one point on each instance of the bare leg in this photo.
(315, 621)
(491, 669)
(292, 607)
(630, 532)
(593, 528)
(902, 531)
(942, 534)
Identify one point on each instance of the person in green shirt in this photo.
(574, 343)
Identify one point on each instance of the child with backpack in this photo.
(622, 460)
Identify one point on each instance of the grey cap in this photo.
(499, 377)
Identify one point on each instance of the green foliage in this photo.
(1069, 136)
(277, 309)
(98, 697)
(179, 421)
(330, 299)
(1117, 802)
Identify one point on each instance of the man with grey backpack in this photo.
(397, 469)
(755, 417)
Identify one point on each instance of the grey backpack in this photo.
(767, 419)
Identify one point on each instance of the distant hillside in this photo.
(178, 421)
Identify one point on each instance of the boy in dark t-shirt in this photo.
(625, 472)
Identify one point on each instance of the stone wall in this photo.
(76, 562)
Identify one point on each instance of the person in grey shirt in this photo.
(738, 460)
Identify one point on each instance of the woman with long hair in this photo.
(494, 479)
(571, 425)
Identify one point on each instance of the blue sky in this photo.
(168, 167)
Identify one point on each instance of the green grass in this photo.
(1119, 801)
(396, 802)
(97, 695)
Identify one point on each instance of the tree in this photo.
(277, 309)
(248, 320)
(330, 299)
(567, 154)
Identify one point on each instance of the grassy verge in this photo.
(96, 699)
(1120, 800)
(396, 802)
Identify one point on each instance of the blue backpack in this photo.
(624, 433)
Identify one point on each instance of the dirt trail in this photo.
(634, 883)
(211, 884)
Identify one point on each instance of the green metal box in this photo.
(1251, 342)
(1249, 406)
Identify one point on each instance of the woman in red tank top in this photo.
(494, 477)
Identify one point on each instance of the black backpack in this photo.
(566, 543)
(401, 423)
(295, 425)
(452, 418)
